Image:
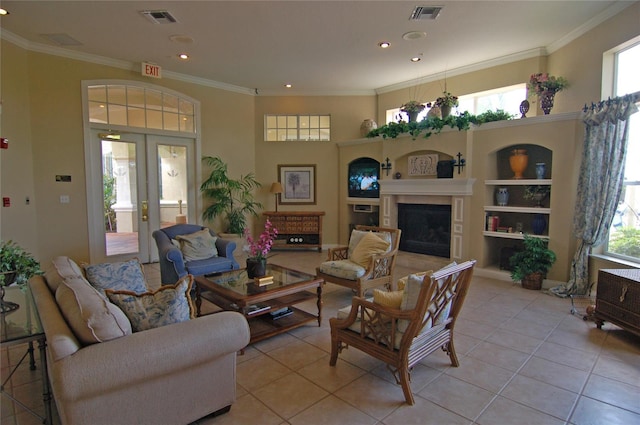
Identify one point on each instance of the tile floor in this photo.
(524, 360)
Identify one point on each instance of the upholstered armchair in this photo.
(192, 249)
(367, 262)
(402, 327)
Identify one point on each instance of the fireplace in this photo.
(426, 229)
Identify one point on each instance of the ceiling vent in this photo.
(159, 16)
(425, 12)
(61, 39)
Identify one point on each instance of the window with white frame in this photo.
(281, 128)
(507, 99)
(624, 234)
(136, 106)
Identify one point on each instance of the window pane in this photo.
(282, 135)
(314, 121)
(136, 117)
(154, 119)
(624, 234)
(154, 99)
(186, 124)
(98, 112)
(171, 121)
(117, 115)
(272, 135)
(314, 134)
(170, 103)
(282, 121)
(304, 122)
(186, 107)
(325, 134)
(97, 93)
(325, 121)
(117, 94)
(292, 122)
(135, 97)
(271, 121)
(292, 134)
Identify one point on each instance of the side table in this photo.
(618, 298)
(23, 326)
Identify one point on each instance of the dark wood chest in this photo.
(618, 298)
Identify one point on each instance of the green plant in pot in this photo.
(16, 266)
(531, 265)
(232, 199)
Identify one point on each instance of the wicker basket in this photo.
(533, 281)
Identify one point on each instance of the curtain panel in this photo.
(599, 184)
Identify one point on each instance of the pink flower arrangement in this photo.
(541, 82)
(259, 248)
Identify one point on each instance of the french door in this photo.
(140, 183)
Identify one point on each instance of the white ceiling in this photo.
(321, 47)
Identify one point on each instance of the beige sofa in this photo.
(174, 374)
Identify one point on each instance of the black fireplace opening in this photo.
(426, 229)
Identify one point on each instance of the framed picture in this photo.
(423, 165)
(298, 183)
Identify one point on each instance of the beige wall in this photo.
(42, 116)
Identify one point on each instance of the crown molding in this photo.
(115, 63)
(608, 13)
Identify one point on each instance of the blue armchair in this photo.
(172, 263)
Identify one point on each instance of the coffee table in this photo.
(235, 291)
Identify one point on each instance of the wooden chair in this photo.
(402, 337)
(341, 270)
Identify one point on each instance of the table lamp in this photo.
(276, 188)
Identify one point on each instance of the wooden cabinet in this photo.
(297, 229)
(618, 298)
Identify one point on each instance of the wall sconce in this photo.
(276, 188)
(460, 163)
(386, 166)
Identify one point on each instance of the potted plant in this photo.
(545, 86)
(16, 266)
(531, 265)
(413, 109)
(232, 199)
(445, 103)
(537, 193)
(258, 249)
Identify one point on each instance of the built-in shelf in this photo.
(519, 182)
(505, 235)
(527, 210)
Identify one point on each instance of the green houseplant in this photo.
(16, 264)
(232, 199)
(531, 265)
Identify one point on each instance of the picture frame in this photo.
(423, 165)
(298, 183)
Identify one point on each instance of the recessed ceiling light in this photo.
(183, 56)
(416, 59)
(3, 12)
(288, 86)
(384, 44)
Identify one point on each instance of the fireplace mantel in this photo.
(424, 187)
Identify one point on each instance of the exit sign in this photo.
(151, 70)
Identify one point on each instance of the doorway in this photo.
(143, 182)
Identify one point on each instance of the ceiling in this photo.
(320, 47)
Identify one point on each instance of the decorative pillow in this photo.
(357, 235)
(60, 269)
(169, 304)
(402, 282)
(91, 317)
(125, 276)
(199, 245)
(344, 269)
(410, 296)
(391, 299)
(369, 245)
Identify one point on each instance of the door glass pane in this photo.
(173, 184)
(119, 175)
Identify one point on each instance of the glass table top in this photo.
(239, 282)
(23, 323)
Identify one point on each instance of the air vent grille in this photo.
(159, 16)
(425, 12)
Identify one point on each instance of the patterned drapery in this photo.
(599, 184)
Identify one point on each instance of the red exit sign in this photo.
(151, 70)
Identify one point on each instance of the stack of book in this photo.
(264, 280)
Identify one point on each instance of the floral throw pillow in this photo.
(199, 245)
(169, 304)
(119, 276)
